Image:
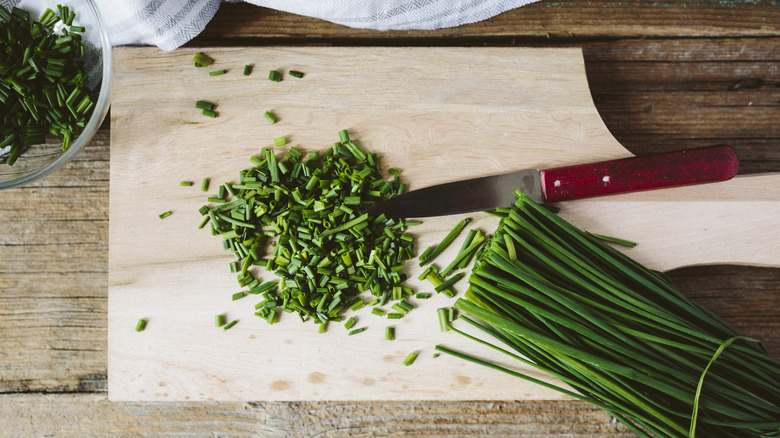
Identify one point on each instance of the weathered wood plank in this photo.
(543, 21)
(87, 415)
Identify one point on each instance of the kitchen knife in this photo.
(695, 166)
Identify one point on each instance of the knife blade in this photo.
(675, 169)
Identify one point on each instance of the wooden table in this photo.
(664, 76)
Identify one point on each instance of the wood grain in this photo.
(543, 21)
(622, 73)
(173, 275)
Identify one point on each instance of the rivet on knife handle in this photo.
(695, 166)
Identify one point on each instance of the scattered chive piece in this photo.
(247, 70)
(395, 315)
(350, 322)
(422, 296)
(389, 333)
(275, 76)
(378, 311)
(270, 117)
(217, 72)
(466, 243)
(280, 141)
(443, 321)
(219, 320)
(238, 296)
(356, 331)
(140, 325)
(323, 327)
(410, 358)
(165, 214)
(208, 113)
(202, 60)
(448, 283)
(435, 355)
(438, 249)
(230, 324)
(476, 242)
(204, 185)
(296, 74)
(202, 104)
(185, 183)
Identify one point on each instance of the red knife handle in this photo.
(695, 166)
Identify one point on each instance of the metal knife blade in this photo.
(477, 194)
(695, 166)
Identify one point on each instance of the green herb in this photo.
(209, 113)
(204, 185)
(270, 117)
(466, 253)
(350, 322)
(356, 331)
(280, 141)
(140, 325)
(229, 325)
(238, 295)
(219, 320)
(621, 336)
(378, 311)
(296, 74)
(247, 70)
(275, 76)
(395, 315)
(289, 214)
(217, 73)
(165, 214)
(202, 60)
(185, 183)
(389, 333)
(43, 81)
(202, 104)
(434, 251)
(410, 358)
(448, 283)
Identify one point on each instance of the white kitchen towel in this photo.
(168, 24)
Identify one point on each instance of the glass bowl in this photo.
(39, 160)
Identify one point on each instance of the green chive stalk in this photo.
(621, 336)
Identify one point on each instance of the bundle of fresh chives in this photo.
(620, 335)
(303, 221)
(43, 83)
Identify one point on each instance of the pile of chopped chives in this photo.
(300, 217)
(564, 302)
(43, 83)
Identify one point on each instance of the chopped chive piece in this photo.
(204, 185)
(359, 304)
(389, 333)
(185, 183)
(202, 104)
(356, 331)
(280, 141)
(410, 358)
(438, 249)
(435, 355)
(208, 113)
(230, 324)
(247, 70)
(201, 60)
(238, 296)
(444, 324)
(165, 214)
(423, 296)
(448, 283)
(275, 76)
(270, 117)
(395, 315)
(378, 311)
(140, 325)
(296, 74)
(476, 242)
(323, 327)
(219, 320)
(350, 322)
(217, 72)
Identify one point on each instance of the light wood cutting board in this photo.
(439, 114)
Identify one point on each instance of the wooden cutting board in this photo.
(439, 114)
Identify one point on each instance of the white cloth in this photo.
(168, 24)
